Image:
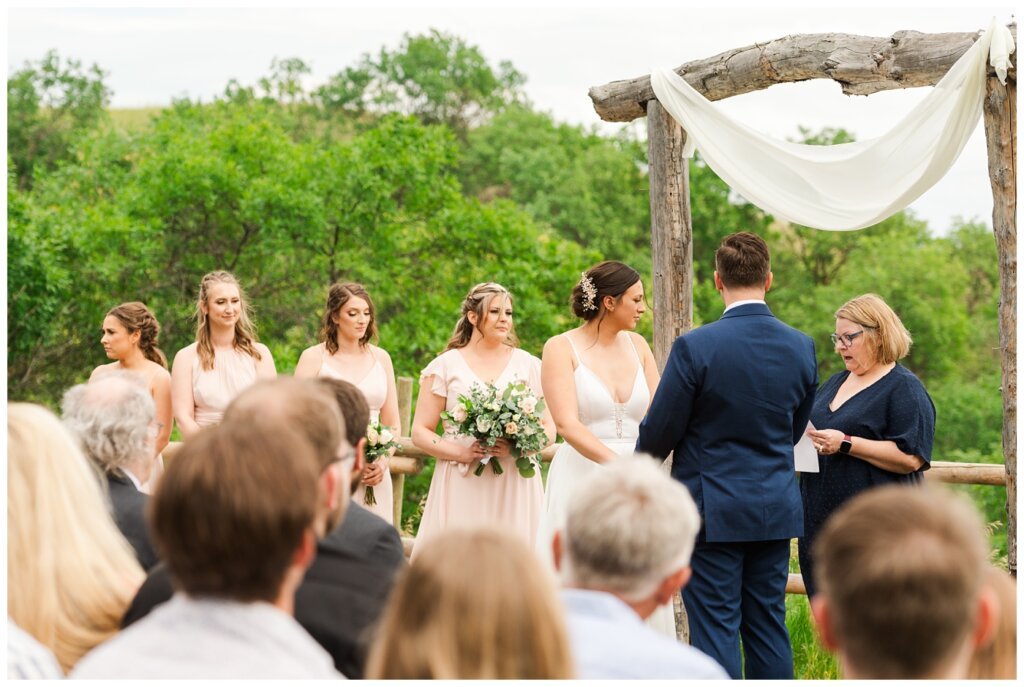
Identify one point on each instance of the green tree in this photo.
(592, 189)
(437, 77)
(50, 103)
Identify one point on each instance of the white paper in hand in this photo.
(804, 455)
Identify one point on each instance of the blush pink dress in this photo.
(457, 496)
(213, 390)
(375, 388)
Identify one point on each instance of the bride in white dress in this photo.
(598, 380)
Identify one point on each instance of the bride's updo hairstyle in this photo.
(477, 300)
(608, 278)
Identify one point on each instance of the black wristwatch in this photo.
(846, 445)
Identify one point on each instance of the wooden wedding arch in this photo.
(861, 65)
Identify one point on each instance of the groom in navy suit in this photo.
(735, 397)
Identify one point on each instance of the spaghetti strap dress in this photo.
(617, 426)
(374, 386)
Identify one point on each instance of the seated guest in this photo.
(347, 587)
(113, 419)
(997, 660)
(474, 604)
(70, 572)
(623, 552)
(901, 585)
(235, 519)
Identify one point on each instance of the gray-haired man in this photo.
(623, 551)
(113, 419)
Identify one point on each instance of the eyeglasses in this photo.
(845, 340)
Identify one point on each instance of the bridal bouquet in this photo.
(379, 442)
(488, 414)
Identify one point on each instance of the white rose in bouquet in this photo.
(386, 437)
(528, 431)
(459, 414)
(483, 424)
(372, 437)
(528, 404)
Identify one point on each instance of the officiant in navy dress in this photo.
(874, 422)
(735, 397)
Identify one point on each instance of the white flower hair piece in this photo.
(589, 292)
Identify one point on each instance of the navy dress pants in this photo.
(738, 589)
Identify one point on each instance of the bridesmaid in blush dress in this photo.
(482, 350)
(130, 333)
(346, 353)
(223, 361)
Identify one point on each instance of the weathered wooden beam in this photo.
(967, 473)
(1000, 114)
(671, 230)
(861, 65)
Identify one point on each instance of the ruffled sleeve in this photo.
(911, 418)
(438, 370)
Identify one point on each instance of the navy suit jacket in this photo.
(735, 397)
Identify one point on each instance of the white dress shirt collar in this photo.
(736, 304)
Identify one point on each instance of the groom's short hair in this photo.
(628, 527)
(742, 259)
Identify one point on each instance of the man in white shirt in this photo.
(623, 551)
(235, 518)
(113, 419)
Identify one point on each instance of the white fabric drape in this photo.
(850, 185)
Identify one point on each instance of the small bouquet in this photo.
(513, 414)
(379, 442)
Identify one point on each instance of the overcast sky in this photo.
(154, 54)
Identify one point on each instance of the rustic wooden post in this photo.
(1001, 135)
(671, 230)
(671, 252)
(404, 385)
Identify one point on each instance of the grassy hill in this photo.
(133, 119)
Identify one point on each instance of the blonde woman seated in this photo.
(474, 604)
(70, 573)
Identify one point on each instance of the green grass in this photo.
(810, 660)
